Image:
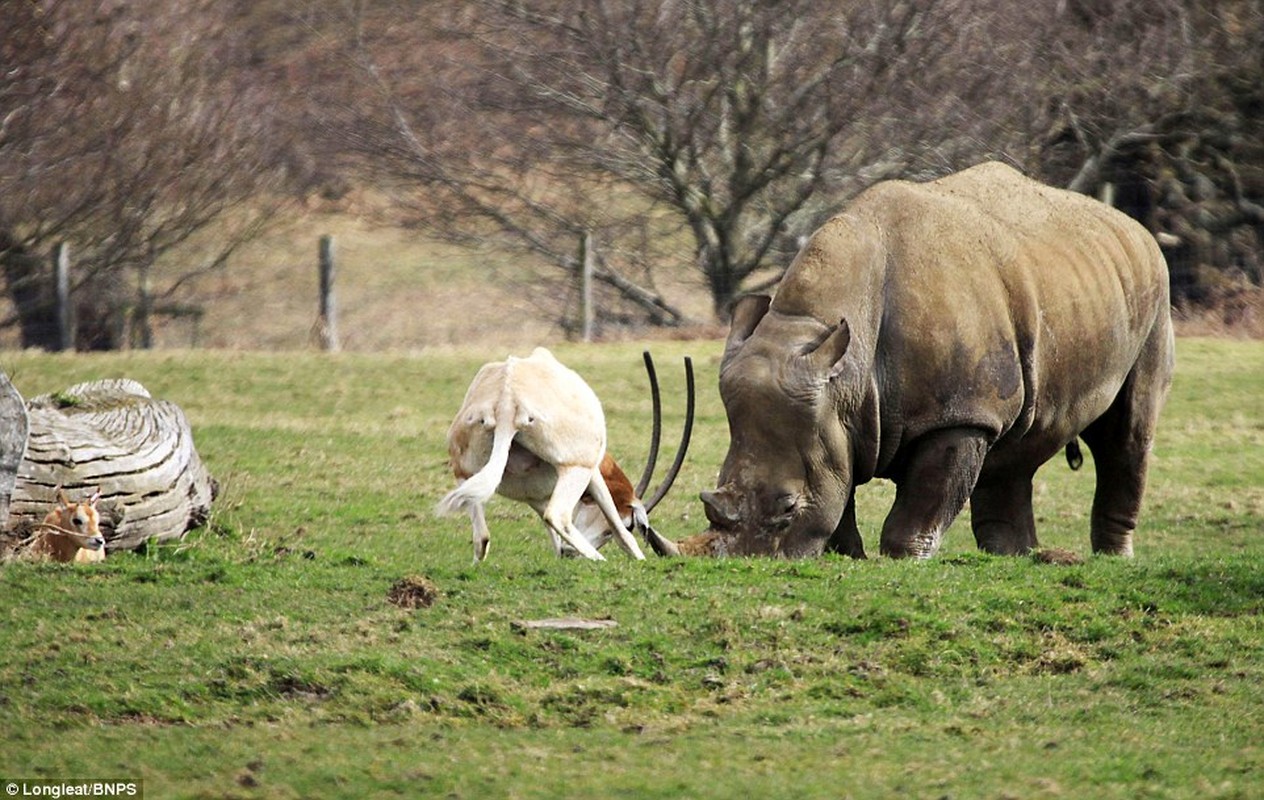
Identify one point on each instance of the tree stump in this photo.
(112, 436)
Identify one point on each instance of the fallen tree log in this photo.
(112, 436)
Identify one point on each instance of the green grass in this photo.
(261, 658)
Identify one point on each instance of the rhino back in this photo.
(985, 299)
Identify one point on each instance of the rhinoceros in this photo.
(951, 336)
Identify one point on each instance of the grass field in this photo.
(263, 656)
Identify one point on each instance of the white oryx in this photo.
(532, 430)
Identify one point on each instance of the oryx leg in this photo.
(482, 536)
(657, 541)
(559, 512)
(558, 544)
(601, 493)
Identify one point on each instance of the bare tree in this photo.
(722, 131)
(710, 134)
(430, 117)
(723, 128)
(123, 131)
(1157, 106)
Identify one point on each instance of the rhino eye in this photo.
(783, 509)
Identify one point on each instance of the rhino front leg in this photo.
(846, 537)
(1001, 515)
(937, 479)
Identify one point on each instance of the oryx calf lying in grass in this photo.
(70, 531)
(532, 430)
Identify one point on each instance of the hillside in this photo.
(396, 291)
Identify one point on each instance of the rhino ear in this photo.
(825, 357)
(746, 314)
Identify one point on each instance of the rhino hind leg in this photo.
(1001, 515)
(931, 489)
(1121, 475)
(1120, 441)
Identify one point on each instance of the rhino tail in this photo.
(1074, 456)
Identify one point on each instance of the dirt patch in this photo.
(1055, 555)
(414, 591)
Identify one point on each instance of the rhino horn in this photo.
(721, 507)
(746, 314)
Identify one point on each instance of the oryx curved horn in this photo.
(656, 433)
(674, 470)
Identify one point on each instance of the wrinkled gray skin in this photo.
(950, 336)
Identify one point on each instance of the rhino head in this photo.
(787, 478)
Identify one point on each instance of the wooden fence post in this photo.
(587, 263)
(328, 321)
(142, 322)
(65, 311)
